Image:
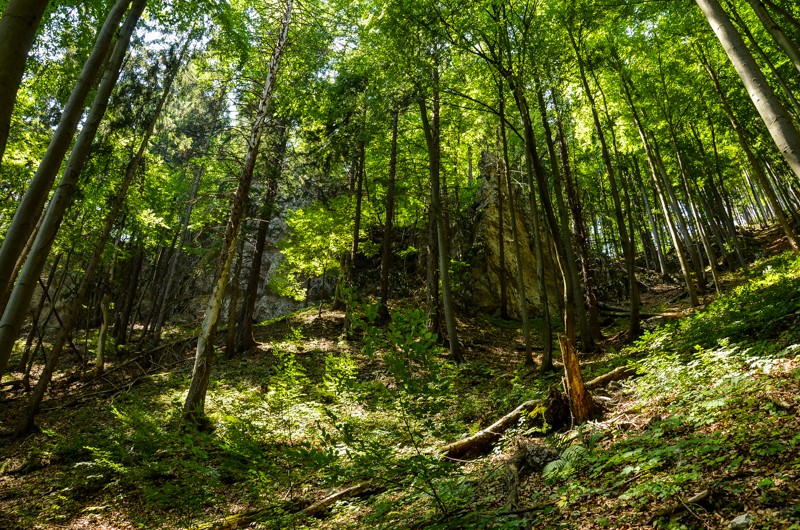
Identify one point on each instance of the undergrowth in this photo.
(715, 408)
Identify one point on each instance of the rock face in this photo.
(482, 281)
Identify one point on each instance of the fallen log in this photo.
(617, 374)
(244, 519)
(682, 505)
(488, 436)
(616, 310)
(357, 490)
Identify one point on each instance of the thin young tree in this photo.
(194, 405)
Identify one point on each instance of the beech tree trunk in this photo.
(14, 311)
(581, 233)
(745, 145)
(194, 405)
(778, 122)
(431, 128)
(26, 424)
(244, 331)
(18, 26)
(386, 250)
(570, 265)
(657, 182)
(30, 208)
(777, 33)
(512, 203)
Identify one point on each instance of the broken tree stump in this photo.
(580, 400)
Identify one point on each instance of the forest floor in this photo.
(713, 418)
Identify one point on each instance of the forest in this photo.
(447, 264)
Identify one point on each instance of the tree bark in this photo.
(777, 33)
(194, 405)
(581, 233)
(18, 26)
(30, 208)
(431, 128)
(628, 247)
(654, 172)
(778, 122)
(743, 142)
(569, 266)
(580, 400)
(512, 203)
(26, 423)
(14, 311)
(386, 249)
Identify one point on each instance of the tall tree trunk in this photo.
(431, 128)
(501, 244)
(581, 233)
(18, 27)
(14, 311)
(512, 208)
(778, 122)
(30, 207)
(533, 166)
(102, 335)
(628, 249)
(36, 315)
(767, 60)
(26, 423)
(175, 257)
(194, 405)
(121, 327)
(386, 250)
(233, 298)
(244, 331)
(570, 265)
(654, 172)
(777, 33)
(774, 113)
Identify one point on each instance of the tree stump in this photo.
(580, 401)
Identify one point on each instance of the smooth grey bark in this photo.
(194, 405)
(14, 311)
(745, 145)
(430, 126)
(26, 423)
(767, 60)
(18, 26)
(523, 302)
(657, 182)
(777, 33)
(30, 208)
(778, 122)
(626, 240)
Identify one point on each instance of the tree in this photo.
(778, 122)
(14, 311)
(194, 404)
(17, 30)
